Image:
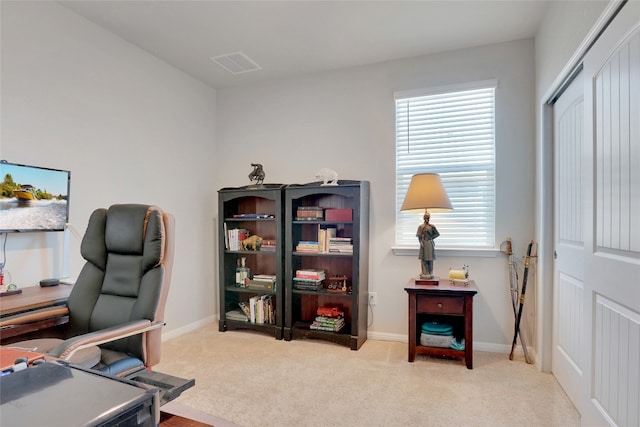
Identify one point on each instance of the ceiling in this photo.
(290, 38)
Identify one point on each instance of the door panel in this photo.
(568, 325)
(612, 240)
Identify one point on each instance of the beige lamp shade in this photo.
(426, 192)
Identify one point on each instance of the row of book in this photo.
(342, 245)
(259, 309)
(309, 213)
(233, 238)
(325, 235)
(329, 319)
(317, 213)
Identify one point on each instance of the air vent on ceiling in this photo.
(236, 63)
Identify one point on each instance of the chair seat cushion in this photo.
(87, 357)
(118, 363)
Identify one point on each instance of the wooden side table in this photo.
(442, 301)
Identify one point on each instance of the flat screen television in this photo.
(33, 198)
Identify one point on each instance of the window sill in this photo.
(448, 252)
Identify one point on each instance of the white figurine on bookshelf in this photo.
(327, 176)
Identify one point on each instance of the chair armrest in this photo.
(65, 349)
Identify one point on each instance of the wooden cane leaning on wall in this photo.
(522, 293)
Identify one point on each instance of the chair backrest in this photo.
(129, 254)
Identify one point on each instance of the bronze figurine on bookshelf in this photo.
(257, 174)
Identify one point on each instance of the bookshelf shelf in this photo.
(321, 254)
(350, 198)
(250, 202)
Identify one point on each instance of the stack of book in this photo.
(268, 245)
(341, 245)
(259, 309)
(309, 213)
(307, 246)
(328, 319)
(262, 282)
(233, 238)
(309, 279)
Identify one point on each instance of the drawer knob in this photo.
(439, 305)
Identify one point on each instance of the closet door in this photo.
(568, 290)
(611, 294)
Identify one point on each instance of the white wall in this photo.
(345, 119)
(560, 36)
(130, 128)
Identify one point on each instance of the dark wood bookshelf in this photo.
(266, 199)
(301, 305)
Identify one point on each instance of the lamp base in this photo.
(421, 281)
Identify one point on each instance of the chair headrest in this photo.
(126, 229)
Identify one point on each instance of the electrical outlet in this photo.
(373, 298)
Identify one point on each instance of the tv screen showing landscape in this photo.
(33, 198)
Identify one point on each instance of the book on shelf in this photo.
(268, 245)
(253, 216)
(244, 306)
(310, 273)
(234, 238)
(325, 234)
(320, 327)
(340, 240)
(340, 245)
(341, 250)
(261, 309)
(261, 285)
(262, 282)
(309, 213)
(238, 315)
(307, 246)
(329, 319)
(307, 284)
(339, 215)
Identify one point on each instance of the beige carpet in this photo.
(254, 380)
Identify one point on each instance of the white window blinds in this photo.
(450, 132)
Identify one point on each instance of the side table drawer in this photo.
(440, 305)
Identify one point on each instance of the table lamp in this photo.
(426, 194)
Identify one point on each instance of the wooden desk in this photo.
(441, 301)
(33, 298)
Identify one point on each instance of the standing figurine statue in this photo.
(257, 174)
(425, 234)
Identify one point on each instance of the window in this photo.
(449, 131)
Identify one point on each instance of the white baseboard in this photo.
(480, 346)
(190, 327)
(381, 336)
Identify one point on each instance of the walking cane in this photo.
(524, 289)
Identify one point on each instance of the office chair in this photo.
(116, 307)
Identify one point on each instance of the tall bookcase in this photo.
(345, 208)
(259, 211)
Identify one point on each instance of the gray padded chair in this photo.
(116, 307)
